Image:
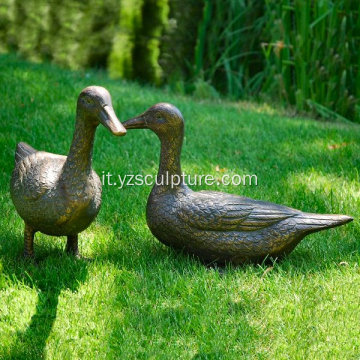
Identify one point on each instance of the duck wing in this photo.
(35, 175)
(22, 151)
(210, 210)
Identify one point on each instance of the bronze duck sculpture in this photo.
(61, 195)
(215, 226)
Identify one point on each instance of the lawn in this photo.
(138, 299)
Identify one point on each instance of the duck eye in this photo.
(160, 120)
(87, 101)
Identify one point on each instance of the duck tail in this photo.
(311, 223)
(22, 151)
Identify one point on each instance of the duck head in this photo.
(94, 104)
(163, 119)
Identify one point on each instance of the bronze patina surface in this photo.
(215, 226)
(61, 195)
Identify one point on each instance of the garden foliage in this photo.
(301, 52)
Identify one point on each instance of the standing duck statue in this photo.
(61, 195)
(215, 226)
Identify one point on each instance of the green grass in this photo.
(138, 299)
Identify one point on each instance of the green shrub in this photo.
(179, 39)
(7, 18)
(121, 56)
(136, 47)
(70, 42)
(104, 19)
(301, 52)
(74, 34)
(314, 55)
(147, 46)
(228, 52)
(32, 18)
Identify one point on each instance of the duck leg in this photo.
(29, 233)
(72, 245)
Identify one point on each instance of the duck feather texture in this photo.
(61, 195)
(215, 226)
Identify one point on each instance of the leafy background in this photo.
(301, 53)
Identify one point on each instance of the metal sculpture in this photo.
(215, 226)
(59, 195)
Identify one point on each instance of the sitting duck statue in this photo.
(61, 195)
(215, 226)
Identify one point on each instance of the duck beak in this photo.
(138, 122)
(109, 119)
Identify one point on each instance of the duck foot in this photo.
(29, 257)
(29, 234)
(72, 248)
(78, 256)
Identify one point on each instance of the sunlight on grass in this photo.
(339, 192)
(253, 107)
(18, 304)
(138, 299)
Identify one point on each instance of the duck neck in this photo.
(170, 166)
(79, 159)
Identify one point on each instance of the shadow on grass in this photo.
(151, 318)
(48, 275)
(56, 272)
